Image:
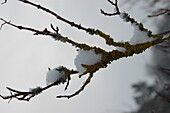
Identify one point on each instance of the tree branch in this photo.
(90, 31)
(107, 57)
(160, 12)
(36, 32)
(26, 96)
(166, 98)
(116, 8)
(80, 90)
(4, 2)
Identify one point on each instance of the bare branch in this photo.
(36, 32)
(165, 98)
(78, 91)
(4, 2)
(160, 12)
(91, 31)
(56, 30)
(116, 7)
(163, 33)
(3, 23)
(56, 15)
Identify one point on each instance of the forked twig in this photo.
(116, 9)
(36, 32)
(107, 57)
(91, 31)
(80, 90)
(26, 96)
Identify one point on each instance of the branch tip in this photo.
(4, 2)
(78, 91)
(54, 29)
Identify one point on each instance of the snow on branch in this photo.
(52, 79)
(90, 58)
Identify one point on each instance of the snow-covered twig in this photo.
(104, 57)
(27, 95)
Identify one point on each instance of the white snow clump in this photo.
(86, 57)
(54, 75)
(139, 36)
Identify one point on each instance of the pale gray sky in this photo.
(24, 58)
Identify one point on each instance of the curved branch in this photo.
(80, 90)
(4, 2)
(116, 8)
(160, 12)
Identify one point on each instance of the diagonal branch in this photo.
(55, 35)
(91, 31)
(164, 97)
(107, 57)
(36, 32)
(26, 96)
(163, 33)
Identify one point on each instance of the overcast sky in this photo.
(24, 58)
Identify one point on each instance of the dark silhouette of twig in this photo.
(4, 2)
(166, 98)
(160, 12)
(116, 7)
(36, 32)
(80, 90)
(26, 96)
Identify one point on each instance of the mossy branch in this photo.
(107, 57)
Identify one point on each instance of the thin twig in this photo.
(26, 96)
(163, 33)
(80, 90)
(4, 2)
(54, 14)
(36, 32)
(116, 7)
(163, 11)
(163, 96)
(5, 22)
